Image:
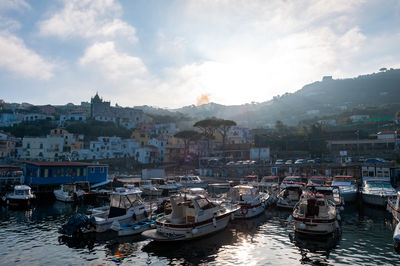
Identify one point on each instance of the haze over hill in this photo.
(321, 98)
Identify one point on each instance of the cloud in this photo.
(113, 65)
(89, 20)
(18, 5)
(17, 58)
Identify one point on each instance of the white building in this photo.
(356, 118)
(159, 144)
(35, 117)
(9, 119)
(145, 155)
(72, 117)
(260, 154)
(113, 147)
(49, 148)
(238, 135)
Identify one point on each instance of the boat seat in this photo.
(115, 212)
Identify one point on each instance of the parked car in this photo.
(279, 161)
(311, 161)
(289, 162)
(300, 161)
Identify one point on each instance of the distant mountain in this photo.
(321, 98)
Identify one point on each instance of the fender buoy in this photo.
(244, 211)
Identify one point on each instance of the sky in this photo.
(174, 53)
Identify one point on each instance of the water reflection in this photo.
(31, 236)
(314, 250)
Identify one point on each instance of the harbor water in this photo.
(32, 238)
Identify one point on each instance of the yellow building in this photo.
(141, 137)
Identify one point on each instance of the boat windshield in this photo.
(204, 204)
(379, 185)
(124, 201)
(268, 180)
(292, 179)
(21, 192)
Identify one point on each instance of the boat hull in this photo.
(315, 227)
(18, 203)
(172, 233)
(376, 200)
(246, 212)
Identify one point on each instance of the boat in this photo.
(249, 199)
(191, 181)
(347, 186)
(332, 193)
(316, 180)
(377, 191)
(136, 228)
(191, 217)
(315, 214)
(69, 193)
(21, 196)
(149, 189)
(270, 185)
(289, 194)
(169, 186)
(125, 206)
(396, 237)
(290, 179)
(393, 206)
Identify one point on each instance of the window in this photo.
(101, 169)
(28, 145)
(46, 172)
(92, 169)
(84, 171)
(41, 145)
(78, 172)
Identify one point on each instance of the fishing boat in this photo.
(377, 191)
(314, 214)
(191, 217)
(249, 199)
(21, 196)
(125, 206)
(69, 193)
(289, 194)
(347, 186)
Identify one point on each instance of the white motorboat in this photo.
(249, 199)
(314, 214)
(316, 180)
(166, 187)
(291, 179)
(148, 188)
(348, 187)
(332, 193)
(68, 193)
(377, 191)
(290, 194)
(126, 206)
(270, 185)
(191, 217)
(191, 181)
(22, 196)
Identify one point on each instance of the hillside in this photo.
(318, 99)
